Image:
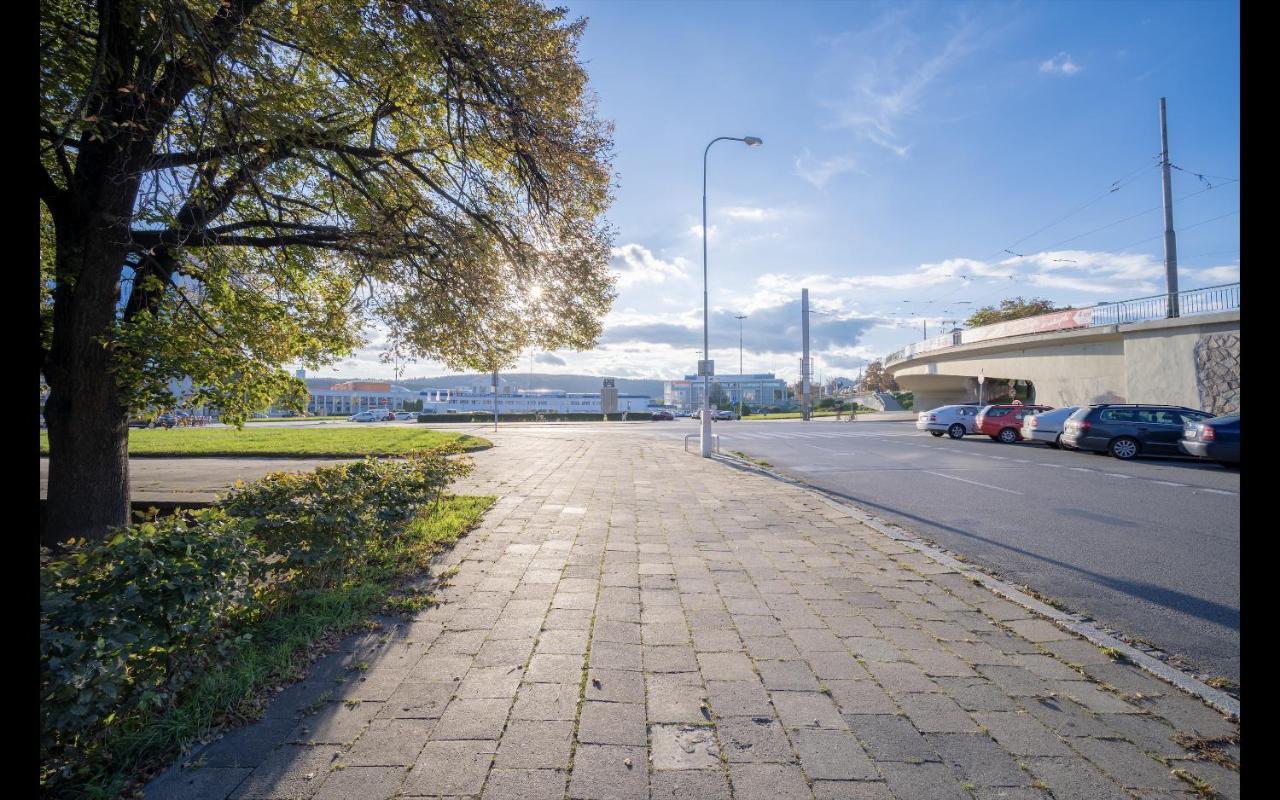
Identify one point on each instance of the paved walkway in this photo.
(633, 622)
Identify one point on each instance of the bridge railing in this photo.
(1205, 300)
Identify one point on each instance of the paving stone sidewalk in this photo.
(634, 622)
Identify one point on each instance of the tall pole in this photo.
(804, 361)
(1170, 241)
(495, 400)
(706, 367)
(739, 318)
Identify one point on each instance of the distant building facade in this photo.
(757, 389)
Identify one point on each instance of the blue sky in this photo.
(906, 146)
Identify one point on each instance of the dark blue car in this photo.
(1216, 439)
(1126, 430)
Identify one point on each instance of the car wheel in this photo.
(1008, 435)
(956, 431)
(935, 433)
(1123, 448)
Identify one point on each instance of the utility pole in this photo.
(924, 330)
(739, 318)
(1170, 241)
(804, 361)
(495, 400)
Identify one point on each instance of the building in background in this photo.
(758, 389)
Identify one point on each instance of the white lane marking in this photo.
(1053, 466)
(975, 483)
(1218, 491)
(1081, 469)
(1117, 475)
(1166, 483)
(1002, 458)
(1022, 460)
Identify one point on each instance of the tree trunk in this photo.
(88, 420)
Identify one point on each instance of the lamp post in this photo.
(705, 366)
(739, 318)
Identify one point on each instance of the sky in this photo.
(920, 161)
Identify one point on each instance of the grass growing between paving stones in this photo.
(757, 461)
(299, 442)
(151, 687)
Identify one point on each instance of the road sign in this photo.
(707, 367)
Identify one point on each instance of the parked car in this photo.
(1047, 426)
(1003, 422)
(725, 413)
(663, 415)
(1216, 439)
(139, 422)
(363, 416)
(954, 420)
(1125, 430)
(403, 415)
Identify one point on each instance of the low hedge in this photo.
(130, 624)
(475, 416)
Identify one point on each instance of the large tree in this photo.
(876, 379)
(233, 185)
(1009, 309)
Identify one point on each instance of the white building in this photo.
(525, 401)
(758, 389)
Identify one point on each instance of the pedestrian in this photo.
(624, 416)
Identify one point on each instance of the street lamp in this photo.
(739, 318)
(705, 366)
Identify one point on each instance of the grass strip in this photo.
(277, 652)
(300, 442)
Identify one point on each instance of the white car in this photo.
(405, 415)
(955, 421)
(1047, 426)
(364, 416)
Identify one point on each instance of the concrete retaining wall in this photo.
(1189, 361)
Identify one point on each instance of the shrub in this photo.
(129, 626)
(324, 523)
(126, 622)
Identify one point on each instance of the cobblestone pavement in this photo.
(630, 622)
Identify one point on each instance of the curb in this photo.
(1215, 698)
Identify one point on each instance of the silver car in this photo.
(955, 421)
(1047, 426)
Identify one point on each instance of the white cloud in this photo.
(1060, 64)
(819, 172)
(892, 71)
(1227, 273)
(749, 214)
(633, 264)
(695, 231)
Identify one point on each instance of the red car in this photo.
(1004, 422)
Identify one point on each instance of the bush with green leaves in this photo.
(128, 624)
(323, 524)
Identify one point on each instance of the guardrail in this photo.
(1205, 300)
(715, 441)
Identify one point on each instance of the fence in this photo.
(1205, 300)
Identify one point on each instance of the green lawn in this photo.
(302, 442)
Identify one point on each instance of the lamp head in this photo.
(753, 141)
